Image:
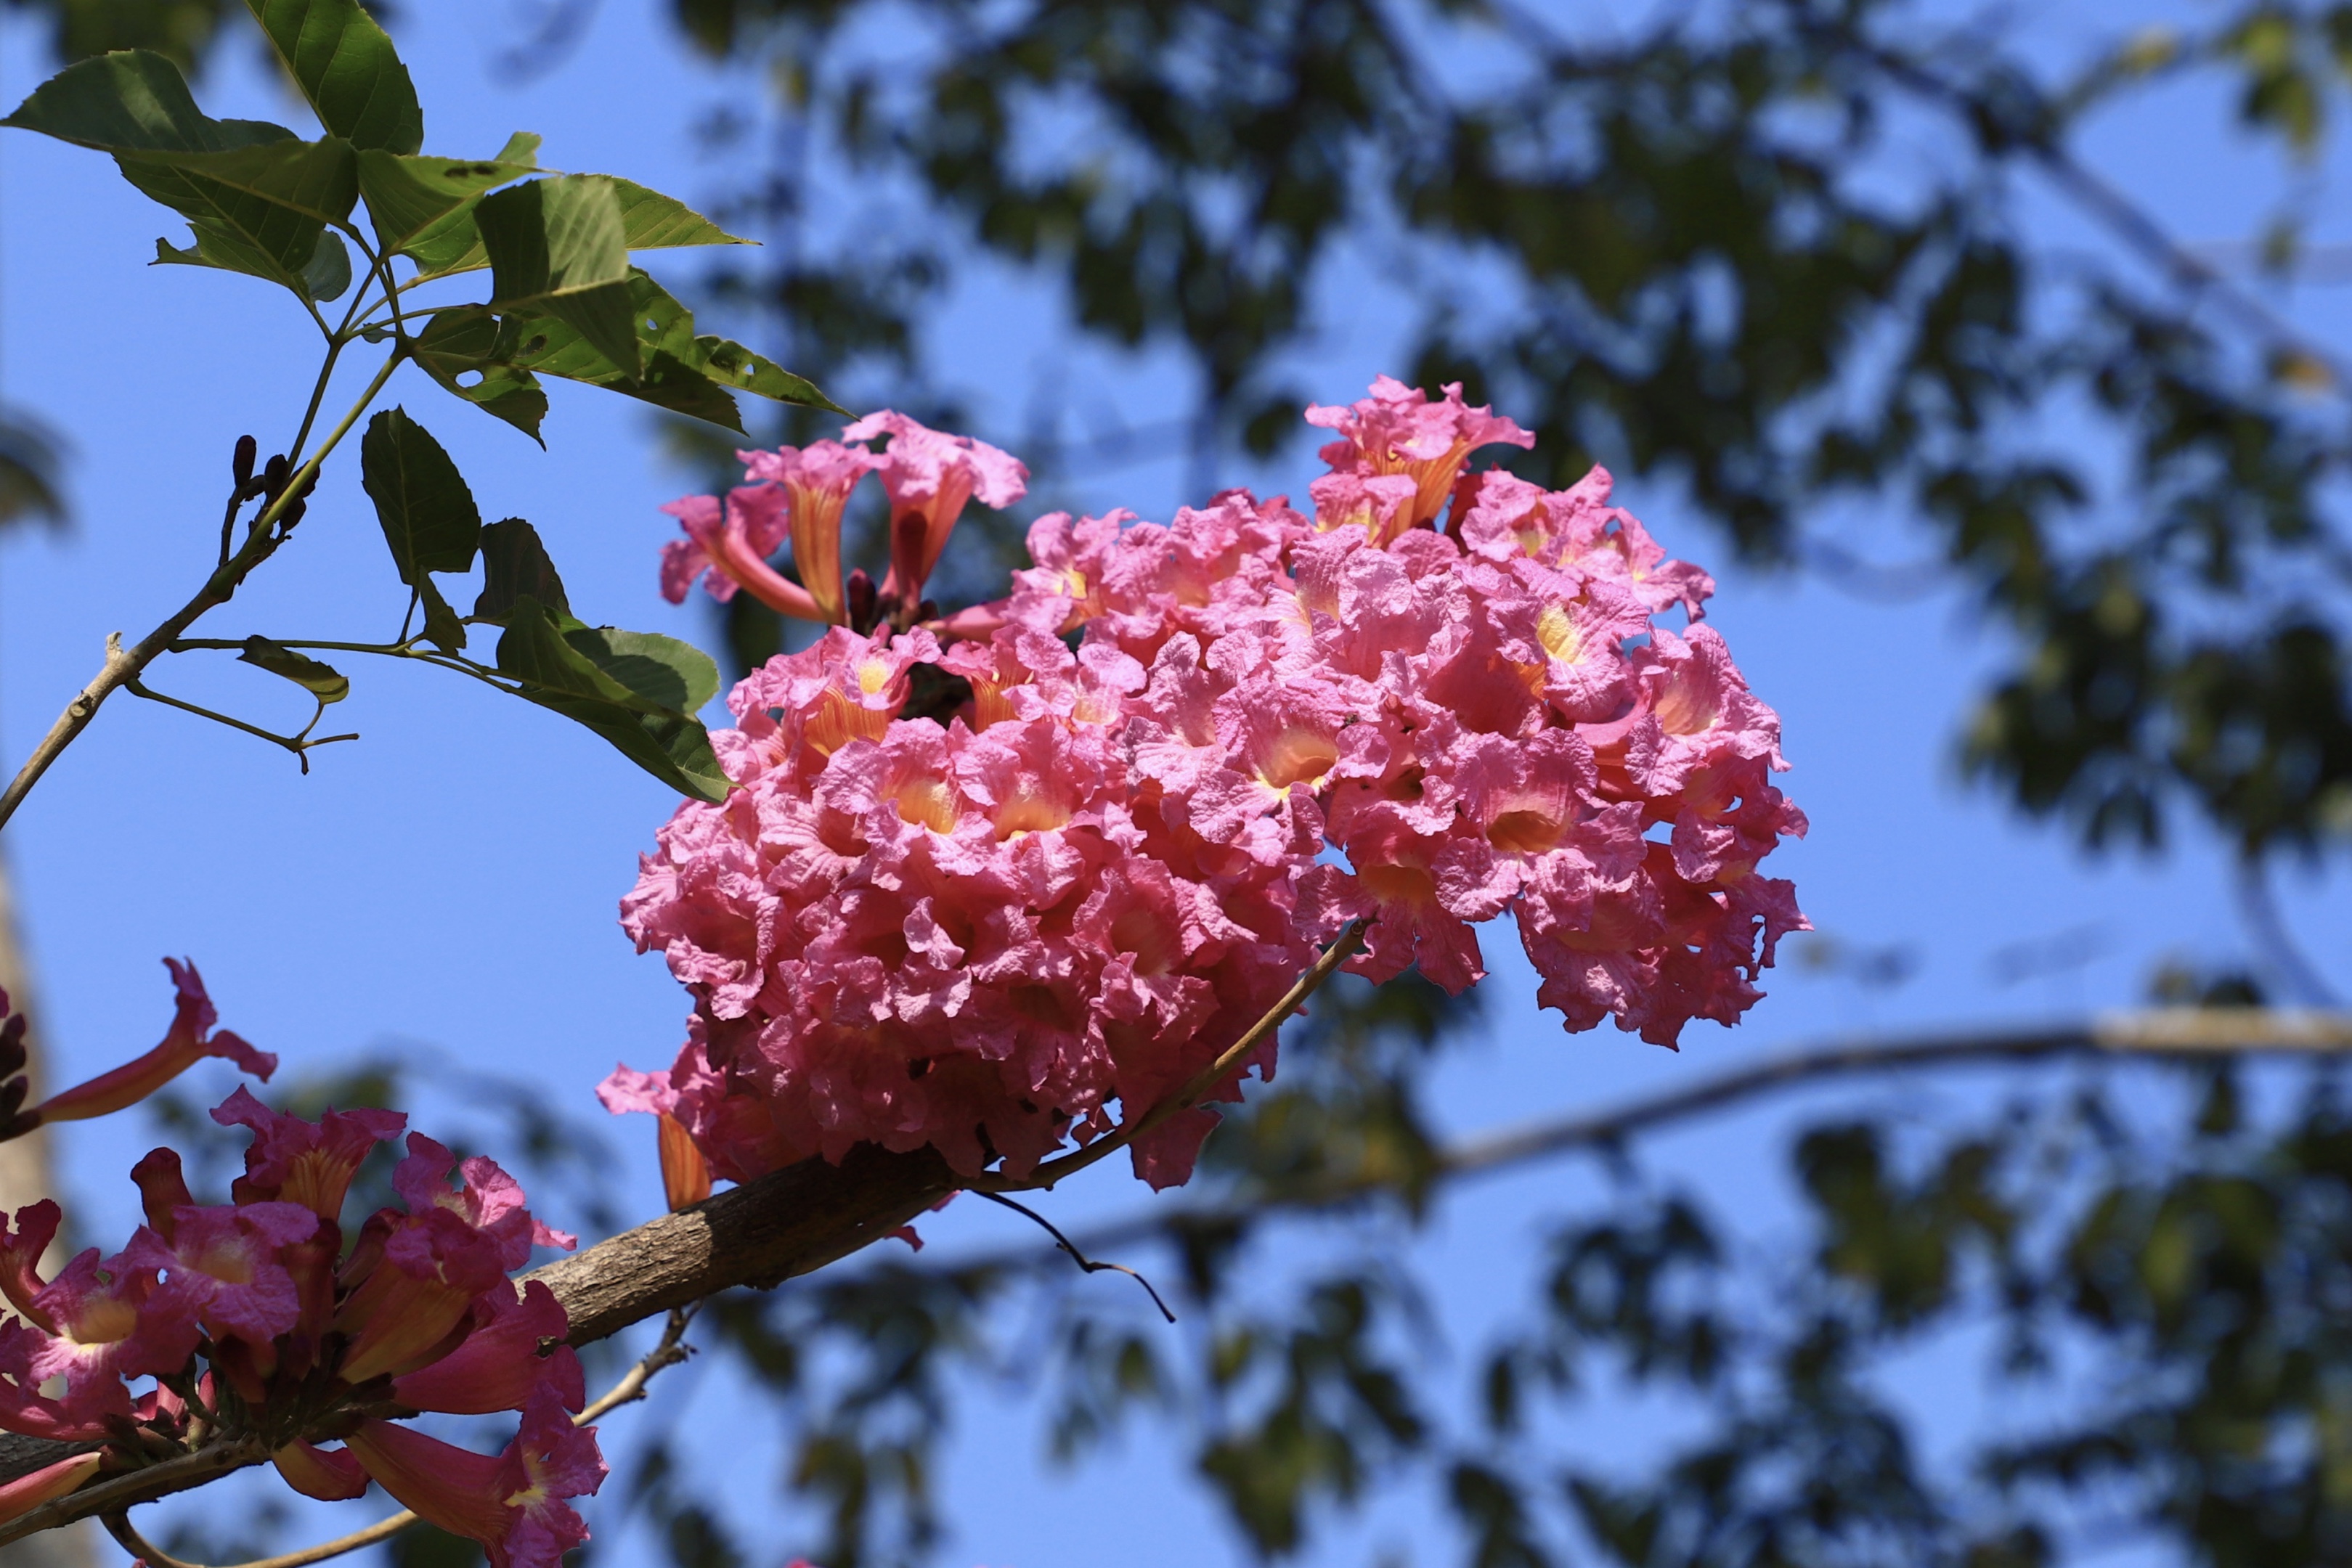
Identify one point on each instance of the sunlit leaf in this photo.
(556, 249)
(406, 195)
(345, 65)
(650, 221)
(455, 348)
(586, 677)
(680, 371)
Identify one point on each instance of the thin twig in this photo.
(124, 665)
(668, 1352)
(1341, 949)
(1089, 1264)
(299, 745)
(2165, 1034)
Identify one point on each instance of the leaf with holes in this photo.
(555, 248)
(408, 195)
(455, 348)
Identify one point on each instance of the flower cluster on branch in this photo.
(1006, 878)
(259, 1318)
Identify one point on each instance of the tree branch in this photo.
(795, 1221)
(2164, 1034)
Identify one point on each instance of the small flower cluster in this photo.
(969, 892)
(255, 1320)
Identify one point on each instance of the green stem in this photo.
(198, 644)
(299, 745)
(317, 396)
(123, 666)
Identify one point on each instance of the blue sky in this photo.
(448, 883)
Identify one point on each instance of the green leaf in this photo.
(134, 100)
(318, 180)
(260, 210)
(428, 515)
(457, 344)
(321, 681)
(548, 347)
(407, 196)
(345, 65)
(658, 669)
(681, 372)
(329, 272)
(731, 364)
(556, 249)
(256, 197)
(515, 566)
(650, 221)
(214, 246)
(441, 627)
(587, 685)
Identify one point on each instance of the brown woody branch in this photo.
(799, 1220)
(2164, 1034)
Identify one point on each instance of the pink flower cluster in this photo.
(799, 494)
(967, 895)
(251, 1317)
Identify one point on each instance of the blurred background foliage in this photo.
(1672, 245)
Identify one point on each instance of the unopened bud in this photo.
(240, 464)
(860, 595)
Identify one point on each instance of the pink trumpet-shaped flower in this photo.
(221, 1267)
(1398, 430)
(30, 1490)
(20, 1258)
(101, 1328)
(331, 1474)
(498, 1365)
(308, 1163)
(817, 479)
(728, 544)
(930, 477)
(486, 1198)
(511, 1504)
(189, 1040)
(430, 1269)
(1020, 897)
